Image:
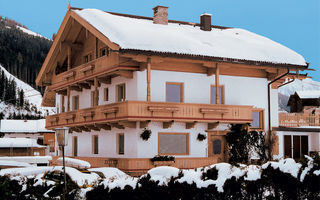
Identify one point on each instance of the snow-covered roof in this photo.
(19, 143)
(234, 43)
(23, 126)
(309, 94)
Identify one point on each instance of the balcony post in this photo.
(69, 58)
(68, 99)
(95, 91)
(148, 79)
(217, 84)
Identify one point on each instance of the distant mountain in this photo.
(22, 51)
(298, 85)
(19, 100)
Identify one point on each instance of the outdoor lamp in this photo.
(62, 136)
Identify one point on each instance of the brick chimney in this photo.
(205, 22)
(160, 15)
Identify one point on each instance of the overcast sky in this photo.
(293, 23)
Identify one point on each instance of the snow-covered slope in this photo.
(25, 30)
(31, 95)
(298, 85)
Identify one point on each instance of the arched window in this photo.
(216, 146)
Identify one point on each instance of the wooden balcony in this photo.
(82, 76)
(126, 114)
(299, 119)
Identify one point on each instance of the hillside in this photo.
(22, 51)
(19, 100)
(298, 85)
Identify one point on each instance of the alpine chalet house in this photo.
(115, 76)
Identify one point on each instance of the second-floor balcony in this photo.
(126, 114)
(299, 119)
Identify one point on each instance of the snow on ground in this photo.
(285, 165)
(33, 96)
(72, 162)
(142, 34)
(30, 32)
(19, 143)
(14, 163)
(163, 174)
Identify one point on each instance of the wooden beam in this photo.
(105, 80)
(144, 124)
(128, 124)
(212, 125)
(143, 66)
(96, 97)
(217, 84)
(211, 71)
(76, 88)
(148, 79)
(84, 128)
(167, 124)
(84, 85)
(126, 74)
(93, 127)
(62, 92)
(191, 125)
(117, 125)
(90, 82)
(69, 58)
(68, 99)
(106, 127)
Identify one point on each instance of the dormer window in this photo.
(104, 51)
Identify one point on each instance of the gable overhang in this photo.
(66, 25)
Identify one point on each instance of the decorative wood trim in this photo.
(144, 124)
(148, 79)
(106, 127)
(174, 133)
(167, 125)
(214, 110)
(86, 69)
(87, 114)
(163, 109)
(116, 125)
(125, 73)
(191, 125)
(213, 125)
(69, 75)
(105, 80)
(129, 124)
(110, 110)
(217, 84)
(76, 88)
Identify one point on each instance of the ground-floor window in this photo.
(173, 143)
(295, 146)
(120, 143)
(75, 146)
(95, 144)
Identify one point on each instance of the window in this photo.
(257, 119)
(104, 51)
(121, 92)
(174, 92)
(88, 58)
(106, 94)
(75, 145)
(62, 103)
(217, 146)
(75, 102)
(40, 140)
(93, 103)
(173, 143)
(95, 144)
(120, 143)
(213, 94)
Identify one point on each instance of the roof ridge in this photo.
(151, 18)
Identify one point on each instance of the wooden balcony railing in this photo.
(299, 119)
(99, 67)
(126, 113)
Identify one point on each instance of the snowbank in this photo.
(76, 163)
(19, 143)
(14, 163)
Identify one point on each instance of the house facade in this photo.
(111, 76)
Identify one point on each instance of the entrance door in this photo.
(217, 145)
(295, 146)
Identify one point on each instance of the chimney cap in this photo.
(206, 14)
(159, 7)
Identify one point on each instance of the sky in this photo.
(293, 23)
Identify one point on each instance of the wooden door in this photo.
(217, 146)
(304, 145)
(296, 147)
(287, 146)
